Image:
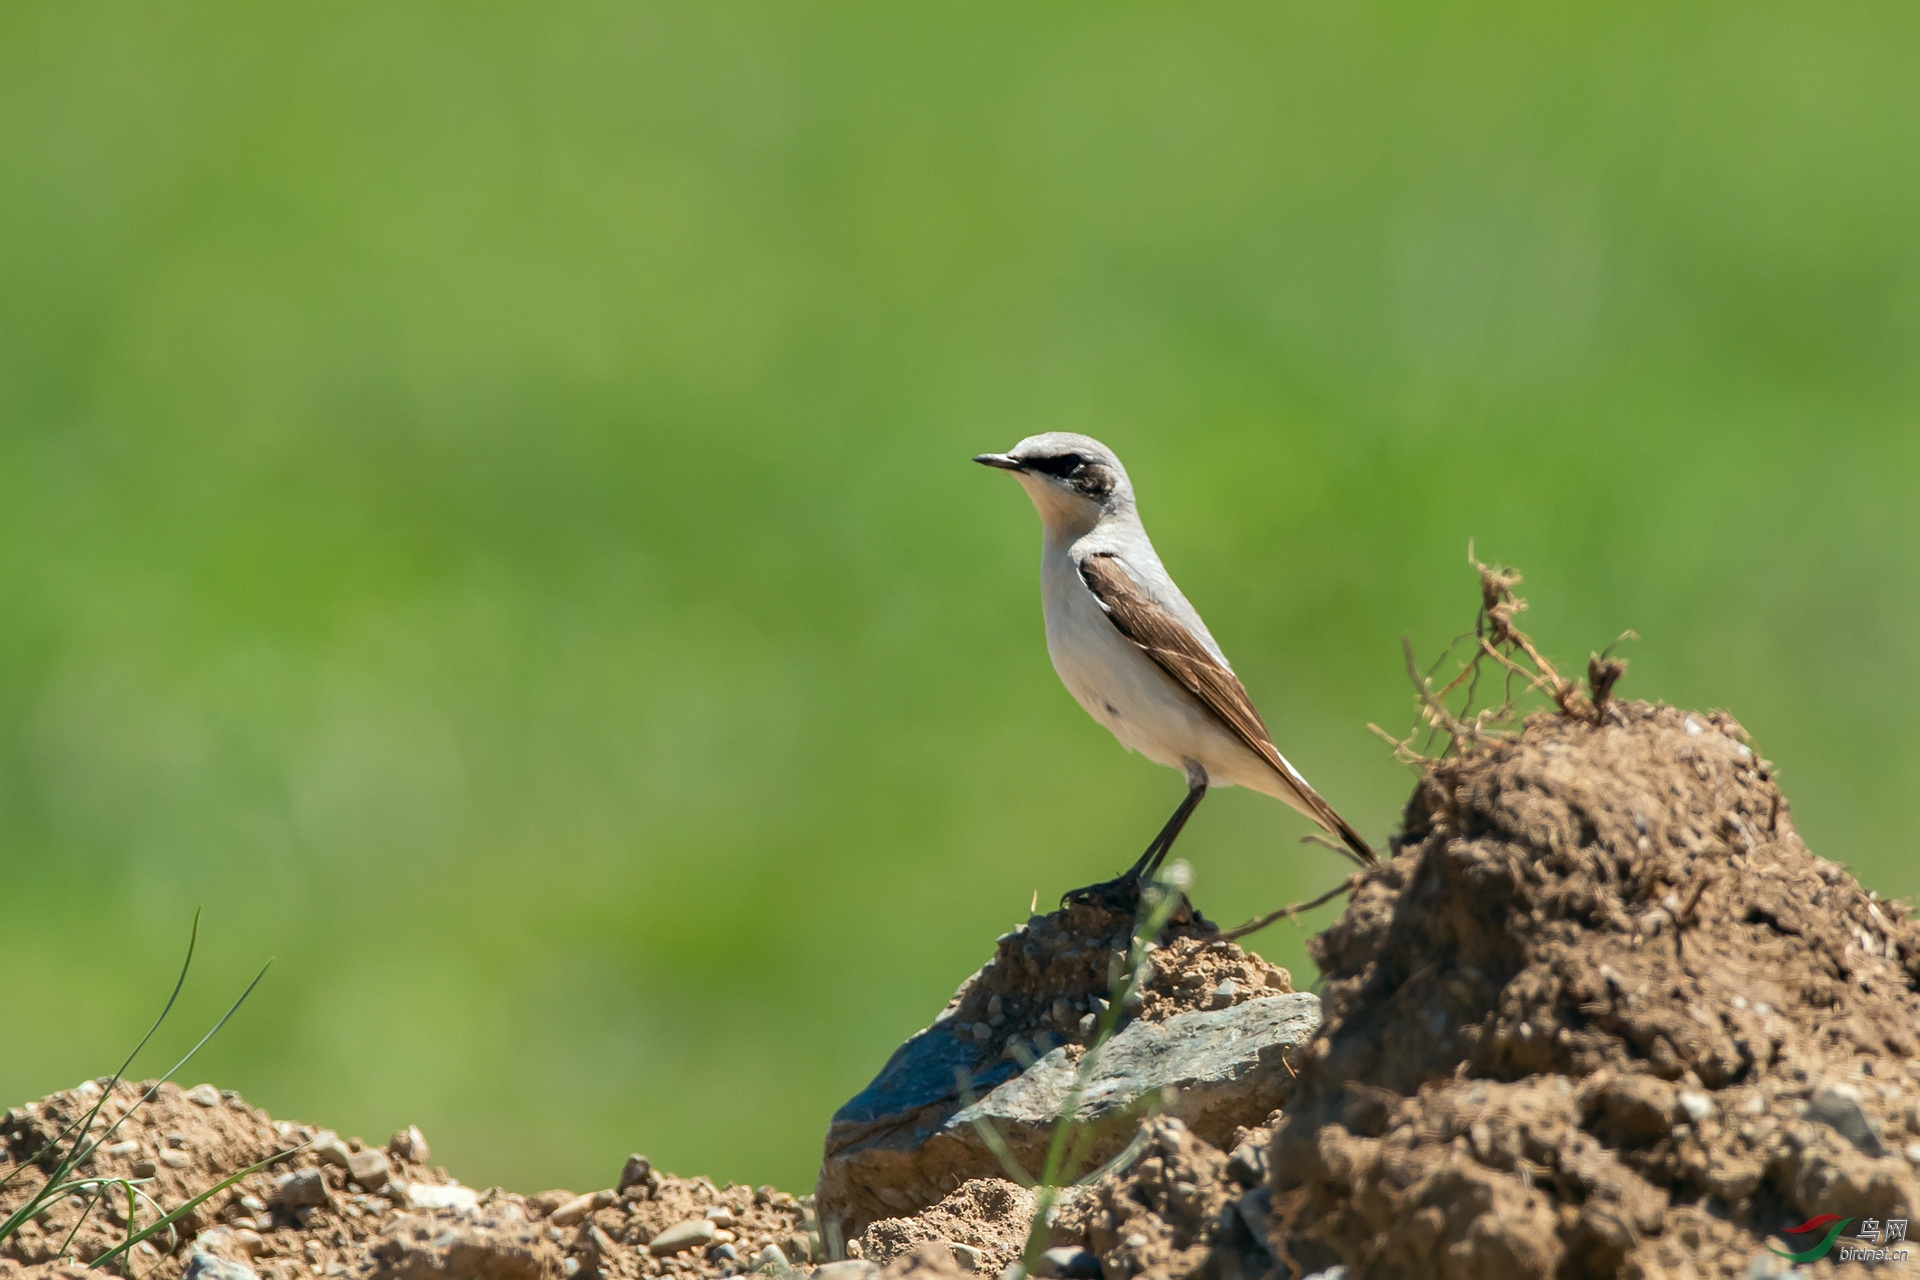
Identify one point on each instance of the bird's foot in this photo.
(1120, 895)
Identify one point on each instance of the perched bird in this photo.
(1133, 652)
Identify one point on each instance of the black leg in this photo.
(1126, 889)
(1157, 851)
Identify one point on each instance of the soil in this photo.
(1604, 1013)
(1049, 978)
(989, 1215)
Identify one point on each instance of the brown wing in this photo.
(1181, 655)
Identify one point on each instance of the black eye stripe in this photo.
(1063, 465)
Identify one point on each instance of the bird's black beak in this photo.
(1006, 462)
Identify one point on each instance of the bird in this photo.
(1135, 655)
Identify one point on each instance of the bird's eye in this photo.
(1064, 465)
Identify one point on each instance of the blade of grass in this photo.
(188, 1207)
(86, 1123)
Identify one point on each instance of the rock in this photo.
(369, 1168)
(770, 1258)
(204, 1094)
(302, 1189)
(411, 1145)
(483, 1248)
(175, 1159)
(637, 1169)
(851, 1269)
(967, 1258)
(720, 1216)
(681, 1236)
(204, 1266)
(1248, 1163)
(576, 1209)
(1697, 1105)
(902, 1142)
(424, 1195)
(1070, 1262)
(327, 1145)
(1838, 1107)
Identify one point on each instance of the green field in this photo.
(484, 499)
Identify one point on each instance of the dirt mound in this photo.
(988, 1216)
(1182, 1208)
(1048, 979)
(339, 1208)
(1603, 1014)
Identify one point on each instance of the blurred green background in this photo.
(484, 499)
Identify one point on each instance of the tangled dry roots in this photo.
(1603, 1014)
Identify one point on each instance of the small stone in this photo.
(576, 1209)
(720, 1216)
(799, 1247)
(121, 1150)
(850, 1269)
(253, 1204)
(369, 1168)
(678, 1237)
(1042, 1044)
(327, 1145)
(723, 1236)
(410, 1144)
(1838, 1107)
(996, 1010)
(1088, 1024)
(770, 1258)
(1063, 1013)
(966, 1257)
(1753, 1106)
(250, 1241)
(1697, 1105)
(1224, 994)
(1135, 1241)
(302, 1189)
(1913, 1152)
(634, 1170)
(1248, 1163)
(204, 1266)
(981, 1032)
(422, 1195)
(204, 1095)
(723, 1252)
(175, 1159)
(144, 1168)
(1070, 1262)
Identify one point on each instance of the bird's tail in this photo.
(1308, 801)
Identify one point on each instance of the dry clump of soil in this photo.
(1049, 980)
(990, 1217)
(1603, 1014)
(338, 1208)
(1181, 1208)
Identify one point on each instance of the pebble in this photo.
(1224, 994)
(966, 1257)
(634, 1170)
(996, 1009)
(1070, 1262)
(679, 1236)
(721, 1216)
(327, 1145)
(123, 1149)
(770, 1257)
(1063, 1013)
(1248, 1163)
(303, 1188)
(410, 1144)
(1838, 1107)
(723, 1252)
(422, 1195)
(204, 1094)
(576, 1209)
(1913, 1152)
(250, 1241)
(175, 1159)
(851, 1269)
(981, 1032)
(369, 1168)
(204, 1266)
(1697, 1105)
